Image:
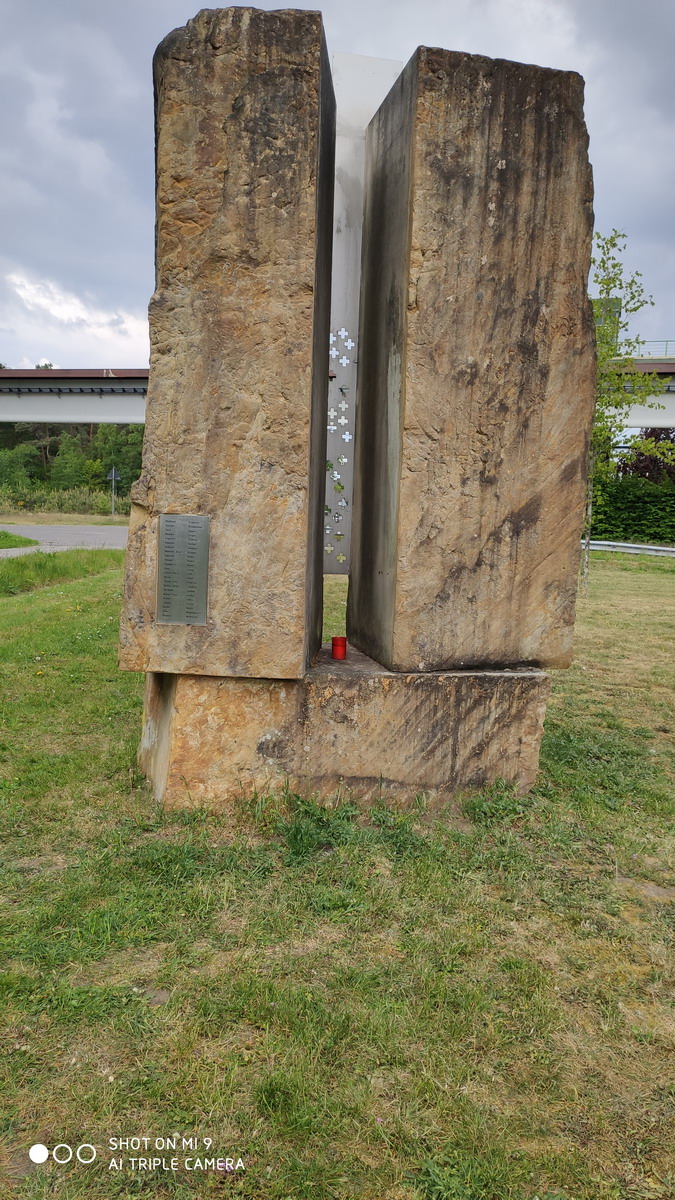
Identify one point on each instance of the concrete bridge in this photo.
(117, 397)
(659, 358)
(83, 397)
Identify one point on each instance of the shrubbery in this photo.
(633, 509)
(65, 500)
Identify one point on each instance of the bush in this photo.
(633, 509)
(66, 500)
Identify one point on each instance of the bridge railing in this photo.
(658, 349)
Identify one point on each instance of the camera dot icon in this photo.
(38, 1153)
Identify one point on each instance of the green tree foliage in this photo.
(653, 458)
(619, 384)
(69, 456)
(69, 469)
(119, 446)
(18, 465)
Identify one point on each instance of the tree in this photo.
(121, 447)
(17, 465)
(619, 384)
(69, 468)
(653, 458)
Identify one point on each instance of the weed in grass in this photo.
(496, 804)
(311, 826)
(457, 1175)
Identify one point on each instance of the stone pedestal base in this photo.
(351, 725)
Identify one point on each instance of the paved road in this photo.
(68, 537)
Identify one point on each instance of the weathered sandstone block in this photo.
(476, 367)
(354, 725)
(239, 327)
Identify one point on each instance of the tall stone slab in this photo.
(476, 367)
(239, 326)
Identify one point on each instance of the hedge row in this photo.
(66, 500)
(633, 509)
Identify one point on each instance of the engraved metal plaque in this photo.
(183, 569)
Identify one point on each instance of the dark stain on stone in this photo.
(572, 469)
(524, 518)
(275, 746)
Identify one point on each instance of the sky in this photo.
(76, 146)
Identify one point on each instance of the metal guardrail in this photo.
(657, 349)
(634, 548)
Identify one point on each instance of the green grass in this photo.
(40, 569)
(382, 1005)
(334, 606)
(12, 541)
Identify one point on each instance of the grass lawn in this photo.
(37, 570)
(12, 541)
(365, 1005)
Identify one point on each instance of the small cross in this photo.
(344, 361)
(332, 339)
(349, 343)
(340, 558)
(346, 437)
(334, 353)
(342, 406)
(343, 421)
(343, 333)
(332, 428)
(332, 413)
(335, 475)
(329, 549)
(342, 460)
(328, 528)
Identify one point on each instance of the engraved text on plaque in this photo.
(183, 569)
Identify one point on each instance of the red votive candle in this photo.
(339, 647)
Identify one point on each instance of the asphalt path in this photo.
(68, 537)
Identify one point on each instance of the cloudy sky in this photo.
(76, 145)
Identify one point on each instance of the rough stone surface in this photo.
(476, 367)
(239, 327)
(353, 725)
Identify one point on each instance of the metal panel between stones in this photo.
(361, 84)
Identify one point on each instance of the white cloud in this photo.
(47, 322)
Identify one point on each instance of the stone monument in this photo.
(474, 400)
(476, 381)
(236, 410)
